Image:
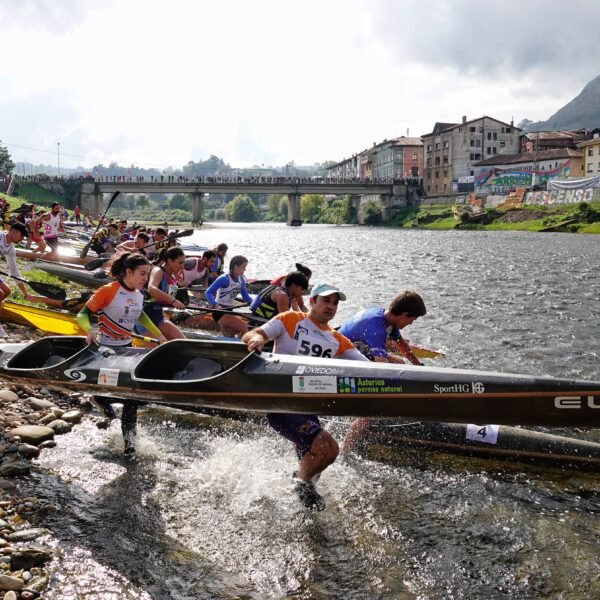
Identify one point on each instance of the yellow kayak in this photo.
(55, 322)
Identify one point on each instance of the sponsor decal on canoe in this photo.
(75, 375)
(108, 376)
(314, 385)
(576, 402)
(367, 385)
(308, 370)
(475, 387)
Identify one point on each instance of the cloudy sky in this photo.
(159, 83)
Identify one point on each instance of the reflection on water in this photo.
(207, 510)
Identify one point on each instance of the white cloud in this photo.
(269, 82)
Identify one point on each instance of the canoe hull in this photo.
(223, 375)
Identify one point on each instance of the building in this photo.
(452, 149)
(505, 172)
(548, 140)
(398, 158)
(591, 154)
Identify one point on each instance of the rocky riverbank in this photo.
(30, 419)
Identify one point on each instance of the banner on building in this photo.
(579, 183)
(504, 180)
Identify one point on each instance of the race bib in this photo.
(310, 343)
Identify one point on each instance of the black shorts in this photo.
(299, 429)
(52, 242)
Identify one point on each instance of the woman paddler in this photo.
(222, 293)
(119, 306)
(162, 288)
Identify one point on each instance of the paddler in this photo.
(119, 306)
(307, 335)
(275, 299)
(162, 289)
(14, 235)
(196, 269)
(219, 266)
(374, 331)
(135, 245)
(53, 226)
(222, 293)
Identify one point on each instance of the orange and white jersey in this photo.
(296, 333)
(118, 310)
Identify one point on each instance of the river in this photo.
(207, 509)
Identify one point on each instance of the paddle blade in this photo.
(94, 264)
(48, 290)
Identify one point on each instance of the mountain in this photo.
(582, 112)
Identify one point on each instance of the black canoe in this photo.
(223, 375)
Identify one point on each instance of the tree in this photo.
(372, 214)
(274, 202)
(242, 210)
(143, 201)
(180, 202)
(6, 164)
(311, 206)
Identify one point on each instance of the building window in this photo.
(437, 146)
(495, 135)
(445, 161)
(489, 150)
(477, 143)
(493, 149)
(472, 143)
(414, 156)
(481, 130)
(472, 129)
(446, 144)
(508, 130)
(489, 135)
(460, 130)
(437, 174)
(590, 152)
(472, 173)
(444, 187)
(590, 168)
(502, 143)
(437, 161)
(445, 173)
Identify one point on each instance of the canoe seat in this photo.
(198, 368)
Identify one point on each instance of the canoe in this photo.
(55, 322)
(490, 442)
(62, 257)
(222, 374)
(73, 273)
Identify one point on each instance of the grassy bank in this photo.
(575, 218)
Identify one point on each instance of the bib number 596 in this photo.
(308, 349)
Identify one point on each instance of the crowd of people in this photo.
(149, 270)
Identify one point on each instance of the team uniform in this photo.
(191, 273)
(264, 306)
(52, 230)
(369, 332)
(296, 333)
(8, 250)
(118, 310)
(223, 291)
(153, 307)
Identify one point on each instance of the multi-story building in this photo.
(591, 154)
(452, 149)
(505, 172)
(398, 158)
(547, 140)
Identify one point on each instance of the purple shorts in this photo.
(299, 429)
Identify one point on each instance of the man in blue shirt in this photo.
(373, 331)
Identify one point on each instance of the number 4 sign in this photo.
(483, 433)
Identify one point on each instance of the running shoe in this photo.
(307, 494)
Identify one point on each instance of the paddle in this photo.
(93, 264)
(222, 311)
(144, 338)
(86, 248)
(45, 289)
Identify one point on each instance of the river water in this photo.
(207, 508)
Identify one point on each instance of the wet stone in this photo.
(29, 558)
(33, 434)
(40, 404)
(59, 426)
(72, 416)
(16, 469)
(28, 450)
(47, 444)
(11, 583)
(26, 535)
(9, 396)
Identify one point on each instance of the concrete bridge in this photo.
(392, 193)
